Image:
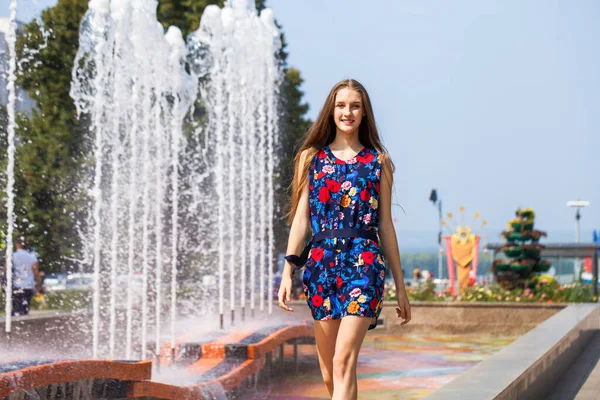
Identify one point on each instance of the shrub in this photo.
(64, 300)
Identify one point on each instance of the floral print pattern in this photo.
(344, 276)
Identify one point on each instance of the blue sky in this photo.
(494, 103)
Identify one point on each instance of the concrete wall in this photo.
(495, 319)
(530, 366)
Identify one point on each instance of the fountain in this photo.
(156, 167)
(180, 191)
(241, 96)
(10, 176)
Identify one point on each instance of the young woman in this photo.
(342, 192)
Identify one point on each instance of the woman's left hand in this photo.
(403, 309)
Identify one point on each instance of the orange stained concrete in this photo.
(228, 381)
(279, 337)
(71, 371)
(203, 365)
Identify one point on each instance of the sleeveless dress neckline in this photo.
(339, 160)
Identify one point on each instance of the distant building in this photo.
(23, 101)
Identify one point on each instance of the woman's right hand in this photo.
(285, 292)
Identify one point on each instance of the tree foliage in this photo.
(186, 14)
(50, 142)
(293, 126)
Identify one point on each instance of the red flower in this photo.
(373, 304)
(364, 195)
(367, 158)
(317, 300)
(316, 254)
(311, 187)
(341, 162)
(319, 288)
(339, 281)
(377, 187)
(368, 257)
(333, 186)
(369, 184)
(323, 195)
(320, 175)
(322, 154)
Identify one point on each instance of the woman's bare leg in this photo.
(325, 335)
(350, 337)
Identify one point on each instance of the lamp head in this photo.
(578, 203)
(433, 196)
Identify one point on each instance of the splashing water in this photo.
(14, 66)
(184, 141)
(241, 99)
(11, 39)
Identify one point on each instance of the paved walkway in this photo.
(390, 367)
(582, 381)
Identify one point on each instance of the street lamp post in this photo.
(433, 197)
(578, 204)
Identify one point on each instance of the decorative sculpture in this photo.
(462, 249)
(521, 253)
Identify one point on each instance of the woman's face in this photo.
(348, 110)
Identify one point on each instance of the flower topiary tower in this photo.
(521, 251)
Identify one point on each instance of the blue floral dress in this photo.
(344, 276)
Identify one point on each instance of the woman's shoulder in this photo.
(304, 154)
(308, 157)
(379, 154)
(310, 151)
(385, 161)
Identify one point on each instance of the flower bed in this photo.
(540, 289)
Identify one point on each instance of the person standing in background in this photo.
(416, 277)
(26, 278)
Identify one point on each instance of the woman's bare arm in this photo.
(389, 243)
(387, 233)
(298, 230)
(300, 224)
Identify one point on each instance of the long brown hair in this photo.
(322, 133)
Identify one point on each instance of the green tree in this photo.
(293, 126)
(50, 143)
(3, 131)
(186, 14)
